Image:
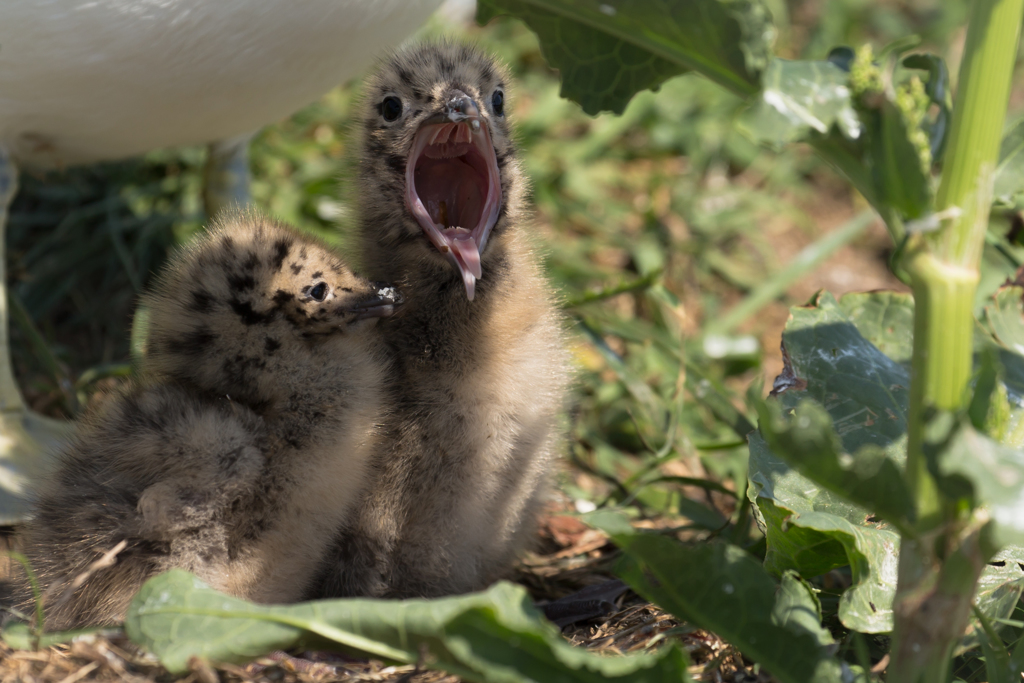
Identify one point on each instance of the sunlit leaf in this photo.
(608, 50)
(799, 97)
(812, 531)
(811, 528)
(497, 635)
(883, 318)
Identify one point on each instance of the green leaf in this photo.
(812, 531)
(798, 609)
(885, 319)
(497, 635)
(995, 475)
(608, 50)
(723, 589)
(1002, 323)
(997, 594)
(863, 390)
(882, 144)
(895, 164)
(808, 442)
(799, 97)
(1009, 177)
(809, 528)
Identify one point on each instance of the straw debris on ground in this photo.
(571, 556)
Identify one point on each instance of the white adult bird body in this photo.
(90, 80)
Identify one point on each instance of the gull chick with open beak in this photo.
(478, 349)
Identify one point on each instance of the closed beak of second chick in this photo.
(380, 304)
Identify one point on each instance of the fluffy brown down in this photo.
(245, 444)
(478, 387)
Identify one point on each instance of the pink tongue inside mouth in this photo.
(466, 252)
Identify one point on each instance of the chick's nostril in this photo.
(460, 105)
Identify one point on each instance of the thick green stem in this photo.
(942, 361)
(940, 566)
(944, 265)
(965, 190)
(937, 576)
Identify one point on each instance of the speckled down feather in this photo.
(245, 443)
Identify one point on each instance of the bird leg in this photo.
(226, 174)
(25, 437)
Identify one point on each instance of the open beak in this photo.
(380, 304)
(452, 184)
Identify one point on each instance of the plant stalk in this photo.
(933, 601)
(965, 190)
(941, 365)
(940, 566)
(943, 265)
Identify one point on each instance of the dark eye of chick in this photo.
(498, 103)
(391, 108)
(319, 292)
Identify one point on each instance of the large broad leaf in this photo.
(496, 636)
(835, 357)
(863, 390)
(868, 136)
(608, 50)
(723, 589)
(884, 319)
(799, 97)
(807, 440)
(811, 528)
(812, 531)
